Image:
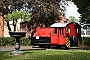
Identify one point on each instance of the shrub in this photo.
(7, 41)
(25, 41)
(86, 41)
(10, 41)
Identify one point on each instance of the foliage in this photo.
(86, 41)
(10, 41)
(7, 41)
(7, 17)
(18, 14)
(25, 41)
(47, 11)
(43, 11)
(49, 54)
(84, 9)
(14, 16)
(73, 19)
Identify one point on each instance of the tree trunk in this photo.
(8, 26)
(14, 24)
(14, 27)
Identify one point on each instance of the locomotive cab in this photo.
(68, 34)
(58, 36)
(73, 31)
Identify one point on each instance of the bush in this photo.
(86, 41)
(24, 41)
(10, 41)
(7, 41)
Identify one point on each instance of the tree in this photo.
(43, 11)
(14, 16)
(73, 19)
(47, 12)
(13, 10)
(84, 9)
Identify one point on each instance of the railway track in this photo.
(71, 48)
(76, 48)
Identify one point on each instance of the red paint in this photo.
(62, 38)
(44, 32)
(59, 38)
(54, 39)
(73, 29)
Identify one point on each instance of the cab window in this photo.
(68, 28)
(62, 31)
(78, 30)
(55, 31)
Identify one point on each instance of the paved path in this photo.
(81, 47)
(11, 48)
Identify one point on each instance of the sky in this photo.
(72, 11)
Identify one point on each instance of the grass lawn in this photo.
(49, 54)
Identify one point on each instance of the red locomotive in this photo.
(58, 34)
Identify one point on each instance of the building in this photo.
(1, 25)
(6, 31)
(24, 28)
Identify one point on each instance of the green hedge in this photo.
(25, 41)
(86, 41)
(10, 41)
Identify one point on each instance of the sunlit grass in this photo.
(49, 54)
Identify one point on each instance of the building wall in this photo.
(61, 19)
(6, 31)
(6, 34)
(1, 25)
(24, 28)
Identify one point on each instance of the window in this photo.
(62, 31)
(55, 31)
(78, 30)
(68, 28)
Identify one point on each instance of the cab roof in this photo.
(63, 24)
(59, 25)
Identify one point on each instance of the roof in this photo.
(59, 25)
